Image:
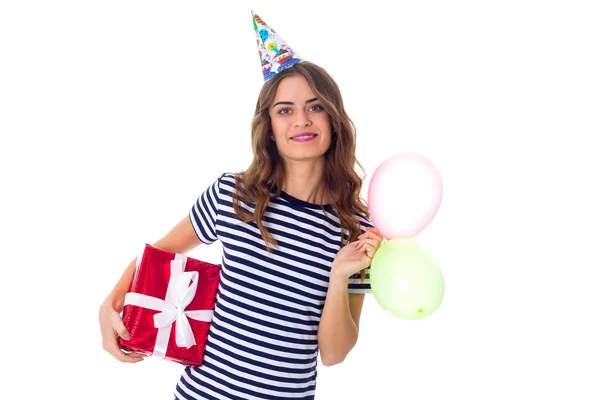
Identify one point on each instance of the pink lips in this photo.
(298, 137)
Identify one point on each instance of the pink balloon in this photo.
(404, 195)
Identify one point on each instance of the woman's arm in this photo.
(181, 239)
(338, 329)
(339, 326)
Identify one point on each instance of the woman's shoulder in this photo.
(230, 177)
(227, 175)
(231, 181)
(364, 219)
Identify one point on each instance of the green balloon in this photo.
(405, 280)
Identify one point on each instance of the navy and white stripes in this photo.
(262, 343)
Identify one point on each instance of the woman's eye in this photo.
(287, 111)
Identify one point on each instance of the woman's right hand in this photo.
(111, 327)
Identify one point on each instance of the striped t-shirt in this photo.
(262, 343)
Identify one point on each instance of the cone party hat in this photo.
(275, 54)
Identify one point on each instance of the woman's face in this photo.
(297, 112)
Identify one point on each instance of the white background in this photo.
(116, 115)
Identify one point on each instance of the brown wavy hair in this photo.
(266, 171)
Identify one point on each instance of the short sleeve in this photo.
(356, 285)
(204, 212)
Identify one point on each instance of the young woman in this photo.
(297, 243)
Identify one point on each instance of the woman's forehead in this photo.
(295, 89)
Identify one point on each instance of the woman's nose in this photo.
(302, 120)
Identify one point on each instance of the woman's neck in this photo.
(304, 181)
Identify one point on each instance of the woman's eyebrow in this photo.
(291, 103)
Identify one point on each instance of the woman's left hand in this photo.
(356, 256)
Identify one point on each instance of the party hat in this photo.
(275, 54)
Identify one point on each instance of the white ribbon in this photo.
(172, 309)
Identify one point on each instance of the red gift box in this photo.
(169, 306)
